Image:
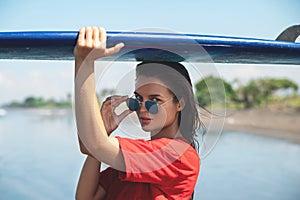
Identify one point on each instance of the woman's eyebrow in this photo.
(155, 95)
(151, 95)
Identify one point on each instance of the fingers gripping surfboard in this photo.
(58, 45)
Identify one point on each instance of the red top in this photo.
(157, 169)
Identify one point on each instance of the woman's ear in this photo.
(181, 104)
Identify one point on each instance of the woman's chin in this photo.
(151, 129)
(147, 128)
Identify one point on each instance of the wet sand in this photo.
(283, 124)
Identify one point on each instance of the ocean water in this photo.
(40, 159)
(244, 166)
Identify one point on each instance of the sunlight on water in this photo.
(39, 159)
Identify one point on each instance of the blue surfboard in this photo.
(58, 45)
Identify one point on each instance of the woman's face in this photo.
(149, 88)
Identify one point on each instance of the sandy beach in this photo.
(283, 124)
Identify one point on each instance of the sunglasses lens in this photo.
(132, 104)
(151, 107)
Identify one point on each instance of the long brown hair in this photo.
(178, 81)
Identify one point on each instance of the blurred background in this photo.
(255, 154)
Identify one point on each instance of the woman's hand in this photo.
(110, 118)
(91, 44)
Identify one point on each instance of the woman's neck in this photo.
(171, 131)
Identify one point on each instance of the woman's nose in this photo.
(142, 107)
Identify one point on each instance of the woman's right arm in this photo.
(91, 44)
(88, 187)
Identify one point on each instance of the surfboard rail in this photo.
(58, 45)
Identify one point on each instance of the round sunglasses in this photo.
(152, 107)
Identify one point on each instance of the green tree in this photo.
(31, 102)
(212, 90)
(261, 91)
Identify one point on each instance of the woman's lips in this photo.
(145, 120)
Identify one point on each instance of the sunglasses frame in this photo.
(134, 105)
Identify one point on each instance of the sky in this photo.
(54, 79)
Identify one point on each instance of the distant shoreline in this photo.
(272, 123)
(278, 124)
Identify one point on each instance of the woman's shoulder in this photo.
(175, 143)
(182, 147)
(177, 147)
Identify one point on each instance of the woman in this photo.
(165, 167)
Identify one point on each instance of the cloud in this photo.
(241, 72)
(247, 72)
(6, 85)
(54, 79)
(2, 81)
(20, 79)
(119, 76)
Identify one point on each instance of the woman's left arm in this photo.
(88, 187)
(91, 44)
